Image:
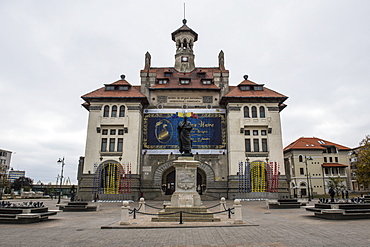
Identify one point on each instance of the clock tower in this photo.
(184, 37)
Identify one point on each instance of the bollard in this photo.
(238, 212)
(124, 213)
(223, 205)
(142, 205)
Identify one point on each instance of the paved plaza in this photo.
(264, 227)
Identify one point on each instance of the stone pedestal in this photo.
(185, 194)
(185, 198)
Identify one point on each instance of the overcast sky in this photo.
(316, 52)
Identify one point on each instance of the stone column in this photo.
(238, 212)
(222, 204)
(124, 213)
(142, 204)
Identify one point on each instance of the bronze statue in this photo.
(184, 129)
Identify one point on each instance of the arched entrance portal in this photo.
(169, 181)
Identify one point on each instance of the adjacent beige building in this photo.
(310, 162)
(132, 130)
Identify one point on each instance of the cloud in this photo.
(316, 53)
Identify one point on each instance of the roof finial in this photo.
(184, 20)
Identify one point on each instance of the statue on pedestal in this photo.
(184, 129)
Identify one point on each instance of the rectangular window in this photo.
(245, 88)
(330, 159)
(104, 132)
(113, 132)
(255, 132)
(326, 171)
(162, 81)
(109, 88)
(263, 132)
(120, 145)
(104, 145)
(123, 88)
(301, 171)
(247, 132)
(112, 143)
(256, 145)
(207, 82)
(184, 81)
(248, 145)
(120, 132)
(167, 74)
(325, 159)
(264, 145)
(336, 159)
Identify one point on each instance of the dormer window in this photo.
(207, 82)
(167, 74)
(201, 74)
(162, 81)
(245, 88)
(184, 81)
(119, 88)
(251, 87)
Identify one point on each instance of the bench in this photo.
(339, 211)
(284, 204)
(25, 215)
(79, 207)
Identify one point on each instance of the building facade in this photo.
(132, 130)
(5, 157)
(311, 162)
(15, 174)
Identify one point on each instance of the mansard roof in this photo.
(237, 92)
(131, 92)
(196, 77)
(313, 143)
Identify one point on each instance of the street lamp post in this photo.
(60, 162)
(308, 181)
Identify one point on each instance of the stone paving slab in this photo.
(278, 227)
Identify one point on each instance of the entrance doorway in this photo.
(169, 181)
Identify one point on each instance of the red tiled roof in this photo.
(174, 79)
(236, 92)
(133, 92)
(333, 165)
(312, 143)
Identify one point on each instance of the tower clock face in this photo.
(184, 59)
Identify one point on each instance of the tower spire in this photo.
(184, 37)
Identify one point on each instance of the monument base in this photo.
(189, 214)
(185, 199)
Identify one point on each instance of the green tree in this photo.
(336, 183)
(363, 166)
(22, 182)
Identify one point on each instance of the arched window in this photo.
(122, 111)
(114, 111)
(300, 158)
(185, 44)
(262, 112)
(106, 111)
(246, 112)
(254, 112)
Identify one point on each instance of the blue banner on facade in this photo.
(160, 131)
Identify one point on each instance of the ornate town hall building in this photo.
(132, 136)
